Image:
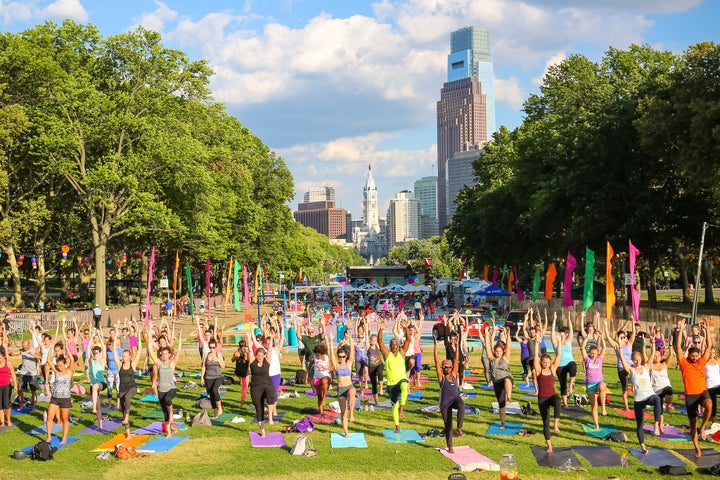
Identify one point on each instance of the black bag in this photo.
(42, 451)
(227, 380)
(528, 410)
(673, 470)
(300, 377)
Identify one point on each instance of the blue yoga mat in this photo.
(149, 398)
(42, 429)
(416, 395)
(511, 428)
(604, 431)
(54, 442)
(156, 428)
(356, 440)
(161, 444)
(405, 436)
(656, 457)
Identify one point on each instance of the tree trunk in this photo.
(100, 236)
(64, 278)
(683, 266)
(84, 270)
(707, 272)
(652, 285)
(40, 280)
(17, 300)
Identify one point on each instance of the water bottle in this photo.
(508, 467)
(624, 460)
(567, 466)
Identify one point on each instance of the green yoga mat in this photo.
(604, 431)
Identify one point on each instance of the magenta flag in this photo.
(149, 287)
(496, 274)
(207, 285)
(246, 288)
(517, 280)
(267, 284)
(634, 291)
(567, 289)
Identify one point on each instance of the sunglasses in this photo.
(447, 366)
(342, 356)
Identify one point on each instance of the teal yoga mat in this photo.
(405, 436)
(511, 428)
(604, 431)
(356, 440)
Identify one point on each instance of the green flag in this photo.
(191, 302)
(536, 284)
(589, 274)
(503, 276)
(236, 280)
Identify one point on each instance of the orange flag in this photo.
(511, 279)
(549, 281)
(609, 285)
(486, 271)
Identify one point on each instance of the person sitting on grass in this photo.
(63, 369)
(595, 383)
(500, 375)
(127, 365)
(450, 398)
(544, 374)
(644, 396)
(166, 362)
(396, 378)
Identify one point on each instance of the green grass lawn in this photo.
(225, 451)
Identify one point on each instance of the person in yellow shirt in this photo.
(395, 374)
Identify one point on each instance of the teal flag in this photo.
(589, 277)
(236, 280)
(536, 284)
(503, 276)
(191, 302)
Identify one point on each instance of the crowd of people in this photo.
(111, 358)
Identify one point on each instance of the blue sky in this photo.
(335, 85)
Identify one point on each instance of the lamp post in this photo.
(693, 317)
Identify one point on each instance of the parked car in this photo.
(515, 318)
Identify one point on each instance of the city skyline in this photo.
(335, 86)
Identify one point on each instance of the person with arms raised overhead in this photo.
(395, 375)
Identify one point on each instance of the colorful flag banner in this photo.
(496, 274)
(634, 280)
(588, 297)
(207, 285)
(191, 300)
(227, 283)
(536, 285)
(511, 280)
(149, 287)
(609, 284)
(236, 281)
(486, 271)
(570, 264)
(246, 287)
(175, 285)
(550, 281)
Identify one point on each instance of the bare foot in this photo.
(451, 450)
(397, 428)
(168, 434)
(460, 433)
(557, 430)
(351, 419)
(644, 449)
(347, 435)
(703, 434)
(604, 412)
(657, 430)
(48, 439)
(63, 441)
(698, 453)
(549, 450)
(597, 428)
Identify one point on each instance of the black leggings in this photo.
(500, 393)
(544, 404)
(262, 395)
(212, 385)
(166, 399)
(639, 408)
(713, 397)
(562, 374)
(125, 397)
(459, 405)
(5, 403)
(376, 374)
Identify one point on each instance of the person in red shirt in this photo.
(692, 368)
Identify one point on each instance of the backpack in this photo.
(528, 410)
(202, 419)
(124, 452)
(582, 400)
(204, 403)
(300, 377)
(617, 436)
(42, 451)
(306, 425)
(303, 446)
(290, 381)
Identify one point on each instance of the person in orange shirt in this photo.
(692, 368)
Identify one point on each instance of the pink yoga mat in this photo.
(467, 459)
(271, 439)
(328, 418)
(630, 414)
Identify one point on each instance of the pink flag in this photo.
(567, 288)
(267, 284)
(207, 285)
(246, 288)
(149, 287)
(634, 291)
(496, 274)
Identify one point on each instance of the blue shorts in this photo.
(592, 387)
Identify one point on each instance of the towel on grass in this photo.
(271, 439)
(468, 460)
(512, 408)
(604, 431)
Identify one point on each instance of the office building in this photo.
(403, 220)
(460, 174)
(319, 212)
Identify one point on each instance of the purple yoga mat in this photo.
(108, 426)
(156, 428)
(271, 439)
(671, 433)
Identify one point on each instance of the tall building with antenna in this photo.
(370, 238)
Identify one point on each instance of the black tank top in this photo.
(127, 379)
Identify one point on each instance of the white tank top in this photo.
(712, 375)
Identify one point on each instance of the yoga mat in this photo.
(630, 414)
(356, 440)
(468, 460)
(222, 419)
(22, 411)
(161, 444)
(272, 439)
(42, 429)
(469, 410)
(671, 433)
(485, 386)
(416, 395)
(575, 411)
(526, 387)
(417, 387)
(276, 418)
(405, 436)
(470, 394)
(657, 457)
(558, 458)
(604, 431)
(109, 445)
(149, 398)
(328, 418)
(155, 428)
(511, 428)
(470, 378)
(599, 456)
(54, 442)
(312, 394)
(384, 405)
(205, 394)
(709, 456)
(512, 408)
(108, 426)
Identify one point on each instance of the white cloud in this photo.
(553, 60)
(62, 9)
(156, 20)
(509, 92)
(15, 11)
